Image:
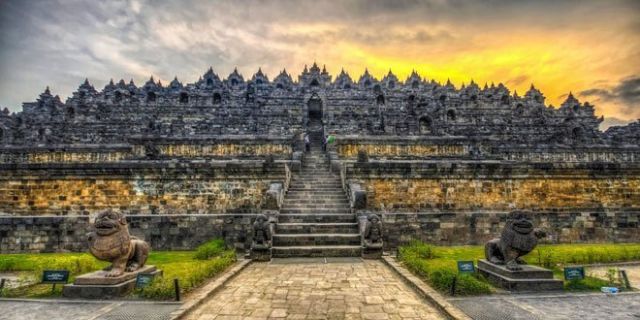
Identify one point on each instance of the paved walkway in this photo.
(596, 306)
(83, 310)
(633, 273)
(314, 289)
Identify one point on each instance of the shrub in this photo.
(418, 249)
(189, 274)
(423, 260)
(210, 249)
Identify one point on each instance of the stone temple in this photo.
(190, 162)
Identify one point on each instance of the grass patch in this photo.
(182, 265)
(439, 269)
(190, 273)
(210, 249)
(438, 265)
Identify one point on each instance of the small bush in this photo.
(189, 274)
(418, 249)
(423, 260)
(210, 249)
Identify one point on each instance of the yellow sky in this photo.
(555, 62)
(589, 47)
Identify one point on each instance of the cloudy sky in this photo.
(591, 48)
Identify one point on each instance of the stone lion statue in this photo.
(373, 232)
(261, 232)
(517, 239)
(110, 241)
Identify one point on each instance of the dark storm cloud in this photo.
(59, 43)
(626, 93)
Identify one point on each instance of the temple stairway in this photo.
(315, 219)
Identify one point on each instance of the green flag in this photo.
(331, 139)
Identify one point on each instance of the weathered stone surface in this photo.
(518, 238)
(110, 241)
(455, 160)
(100, 277)
(527, 278)
(106, 290)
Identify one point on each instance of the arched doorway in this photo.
(315, 108)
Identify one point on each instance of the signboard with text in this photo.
(144, 279)
(466, 267)
(574, 273)
(55, 276)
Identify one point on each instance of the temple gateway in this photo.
(412, 159)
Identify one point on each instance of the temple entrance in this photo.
(315, 108)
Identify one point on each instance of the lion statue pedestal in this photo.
(110, 241)
(504, 266)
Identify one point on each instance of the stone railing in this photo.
(156, 148)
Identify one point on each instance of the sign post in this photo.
(144, 280)
(54, 277)
(466, 267)
(573, 273)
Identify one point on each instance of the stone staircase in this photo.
(315, 219)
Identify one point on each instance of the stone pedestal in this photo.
(95, 285)
(372, 253)
(260, 254)
(530, 278)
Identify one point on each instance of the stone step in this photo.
(313, 210)
(312, 196)
(316, 218)
(316, 190)
(317, 251)
(324, 185)
(289, 228)
(343, 201)
(319, 190)
(293, 206)
(316, 239)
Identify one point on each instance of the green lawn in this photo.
(182, 265)
(437, 265)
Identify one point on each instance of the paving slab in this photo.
(633, 272)
(566, 306)
(317, 288)
(54, 309)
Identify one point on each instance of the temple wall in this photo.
(184, 232)
(491, 194)
(477, 227)
(222, 147)
(163, 232)
(139, 188)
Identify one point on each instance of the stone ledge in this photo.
(451, 311)
(198, 297)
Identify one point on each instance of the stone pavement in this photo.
(560, 306)
(633, 272)
(321, 288)
(45, 309)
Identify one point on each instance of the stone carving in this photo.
(111, 241)
(373, 232)
(120, 111)
(518, 238)
(261, 233)
(151, 151)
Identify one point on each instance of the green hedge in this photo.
(438, 265)
(422, 260)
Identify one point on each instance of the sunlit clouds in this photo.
(591, 48)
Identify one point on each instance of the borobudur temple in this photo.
(189, 162)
